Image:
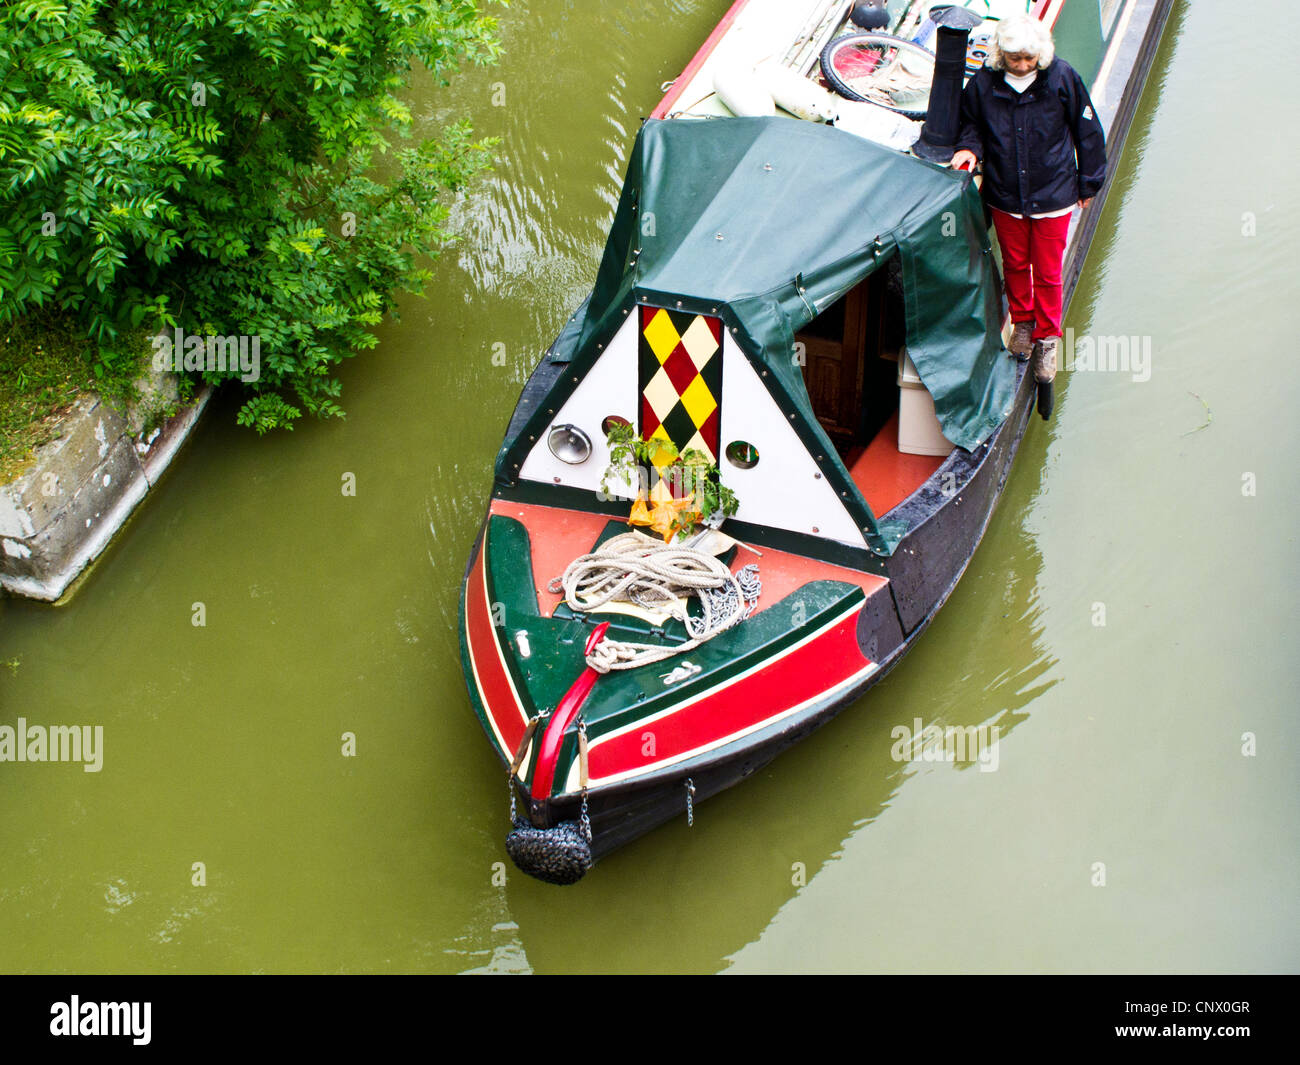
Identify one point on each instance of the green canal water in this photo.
(1121, 742)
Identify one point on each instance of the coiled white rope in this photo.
(632, 568)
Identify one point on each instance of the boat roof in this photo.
(764, 222)
(729, 212)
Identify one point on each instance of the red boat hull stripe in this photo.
(505, 710)
(823, 662)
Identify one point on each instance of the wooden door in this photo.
(835, 346)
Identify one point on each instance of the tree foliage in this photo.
(212, 167)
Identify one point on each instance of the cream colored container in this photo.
(918, 427)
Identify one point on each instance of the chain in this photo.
(584, 821)
(751, 586)
(690, 803)
(729, 601)
(529, 729)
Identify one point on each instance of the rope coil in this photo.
(632, 568)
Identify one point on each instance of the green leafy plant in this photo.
(212, 167)
(691, 472)
(713, 496)
(627, 451)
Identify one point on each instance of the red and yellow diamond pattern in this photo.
(680, 377)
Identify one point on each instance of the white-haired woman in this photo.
(1027, 117)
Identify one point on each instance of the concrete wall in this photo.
(62, 512)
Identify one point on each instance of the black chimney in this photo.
(942, 118)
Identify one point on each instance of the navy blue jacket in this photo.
(1043, 149)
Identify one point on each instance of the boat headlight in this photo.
(569, 444)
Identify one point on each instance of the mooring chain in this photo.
(727, 600)
(529, 730)
(584, 820)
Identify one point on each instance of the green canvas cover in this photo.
(767, 221)
(795, 198)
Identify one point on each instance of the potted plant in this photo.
(676, 492)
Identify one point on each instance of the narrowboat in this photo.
(759, 456)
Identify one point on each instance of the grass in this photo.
(46, 363)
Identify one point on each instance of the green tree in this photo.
(212, 167)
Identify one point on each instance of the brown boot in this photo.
(1044, 359)
(1021, 344)
(1044, 367)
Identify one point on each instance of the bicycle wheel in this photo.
(881, 69)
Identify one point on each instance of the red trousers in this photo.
(1032, 251)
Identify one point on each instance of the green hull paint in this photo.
(623, 697)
